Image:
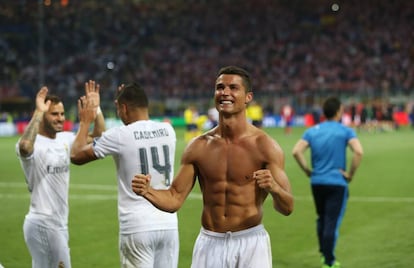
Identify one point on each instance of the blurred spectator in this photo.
(191, 123)
(255, 113)
(299, 48)
(287, 117)
(213, 117)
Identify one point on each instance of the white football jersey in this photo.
(146, 147)
(47, 176)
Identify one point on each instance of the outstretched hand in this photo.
(86, 109)
(92, 93)
(89, 103)
(140, 184)
(41, 105)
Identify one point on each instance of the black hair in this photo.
(133, 94)
(331, 106)
(238, 71)
(53, 99)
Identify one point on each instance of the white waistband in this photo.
(248, 231)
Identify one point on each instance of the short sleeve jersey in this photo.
(47, 175)
(146, 147)
(328, 142)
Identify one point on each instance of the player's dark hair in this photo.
(331, 106)
(53, 99)
(238, 71)
(132, 94)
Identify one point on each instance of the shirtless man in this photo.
(237, 166)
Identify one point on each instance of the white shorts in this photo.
(249, 248)
(152, 249)
(48, 246)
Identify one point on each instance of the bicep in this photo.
(279, 175)
(25, 148)
(183, 182)
(276, 165)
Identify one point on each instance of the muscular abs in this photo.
(232, 200)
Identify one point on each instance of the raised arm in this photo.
(93, 96)
(28, 138)
(89, 111)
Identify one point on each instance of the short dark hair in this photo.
(331, 106)
(53, 99)
(238, 71)
(132, 94)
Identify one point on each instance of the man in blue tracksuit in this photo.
(328, 142)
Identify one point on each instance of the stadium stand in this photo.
(297, 51)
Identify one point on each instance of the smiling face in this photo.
(231, 95)
(54, 119)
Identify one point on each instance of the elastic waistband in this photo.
(248, 231)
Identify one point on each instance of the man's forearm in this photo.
(29, 135)
(356, 161)
(81, 138)
(99, 124)
(283, 202)
(300, 159)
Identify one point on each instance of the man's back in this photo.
(328, 142)
(143, 146)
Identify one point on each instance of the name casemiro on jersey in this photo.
(145, 135)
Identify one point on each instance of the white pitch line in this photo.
(193, 196)
(98, 197)
(72, 186)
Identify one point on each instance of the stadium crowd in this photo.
(297, 50)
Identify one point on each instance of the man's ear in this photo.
(124, 108)
(249, 97)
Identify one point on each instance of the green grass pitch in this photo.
(377, 231)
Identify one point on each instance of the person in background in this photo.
(255, 113)
(148, 236)
(329, 176)
(411, 116)
(287, 116)
(191, 116)
(43, 151)
(213, 117)
(237, 166)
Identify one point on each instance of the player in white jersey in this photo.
(44, 153)
(148, 236)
